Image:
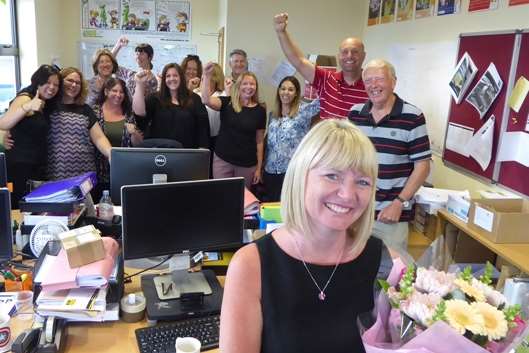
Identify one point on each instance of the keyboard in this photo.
(161, 338)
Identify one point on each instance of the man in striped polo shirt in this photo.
(398, 131)
(338, 90)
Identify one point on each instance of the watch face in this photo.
(406, 203)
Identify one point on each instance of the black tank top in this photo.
(295, 320)
(30, 135)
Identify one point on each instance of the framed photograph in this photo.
(462, 77)
(486, 90)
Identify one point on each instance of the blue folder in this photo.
(64, 190)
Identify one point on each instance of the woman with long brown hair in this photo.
(173, 113)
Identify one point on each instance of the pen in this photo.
(9, 275)
(92, 300)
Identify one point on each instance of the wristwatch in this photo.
(405, 203)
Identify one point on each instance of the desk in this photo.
(106, 337)
(516, 254)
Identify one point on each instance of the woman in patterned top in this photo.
(114, 115)
(288, 123)
(73, 131)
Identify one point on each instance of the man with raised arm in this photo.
(338, 91)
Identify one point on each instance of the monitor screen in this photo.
(3, 171)
(163, 219)
(6, 230)
(132, 166)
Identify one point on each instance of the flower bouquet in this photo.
(425, 310)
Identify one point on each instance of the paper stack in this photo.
(79, 293)
(434, 199)
(251, 203)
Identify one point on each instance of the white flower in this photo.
(461, 316)
(421, 307)
(433, 281)
(494, 323)
(492, 296)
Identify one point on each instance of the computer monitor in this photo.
(170, 218)
(6, 230)
(132, 166)
(3, 171)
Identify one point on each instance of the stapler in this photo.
(46, 339)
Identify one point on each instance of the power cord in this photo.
(127, 279)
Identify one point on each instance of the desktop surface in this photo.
(104, 337)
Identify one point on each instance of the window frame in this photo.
(13, 49)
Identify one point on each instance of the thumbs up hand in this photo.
(34, 105)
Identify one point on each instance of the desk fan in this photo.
(43, 232)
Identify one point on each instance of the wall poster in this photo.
(168, 18)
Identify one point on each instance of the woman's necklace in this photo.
(321, 294)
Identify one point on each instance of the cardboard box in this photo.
(501, 220)
(83, 246)
(424, 222)
(469, 250)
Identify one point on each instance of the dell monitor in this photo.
(6, 230)
(132, 166)
(3, 171)
(171, 218)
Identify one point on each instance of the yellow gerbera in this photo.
(469, 290)
(493, 320)
(461, 316)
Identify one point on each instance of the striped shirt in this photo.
(337, 96)
(400, 139)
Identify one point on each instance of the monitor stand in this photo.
(179, 282)
(189, 304)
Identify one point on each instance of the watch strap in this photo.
(401, 199)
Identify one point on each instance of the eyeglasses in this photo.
(72, 82)
(373, 80)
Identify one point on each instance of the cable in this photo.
(147, 269)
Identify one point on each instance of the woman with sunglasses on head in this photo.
(28, 121)
(105, 65)
(174, 113)
(74, 131)
(113, 111)
(288, 123)
(192, 67)
(239, 149)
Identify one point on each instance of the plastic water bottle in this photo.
(106, 207)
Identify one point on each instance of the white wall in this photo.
(430, 47)
(249, 27)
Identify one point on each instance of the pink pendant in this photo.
(321, 296)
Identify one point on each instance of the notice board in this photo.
(509, 52)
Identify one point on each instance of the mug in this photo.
(187, 345)
(5, 333)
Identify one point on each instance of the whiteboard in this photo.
(164, 53)
(423, 73)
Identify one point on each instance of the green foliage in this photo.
(487, 274)
(466, 275)
(439, 314)
(511, 312)
(406, 282)
(3, 2)
(384, 285)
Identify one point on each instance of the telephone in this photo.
(46, 339)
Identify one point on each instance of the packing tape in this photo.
(133, 307)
